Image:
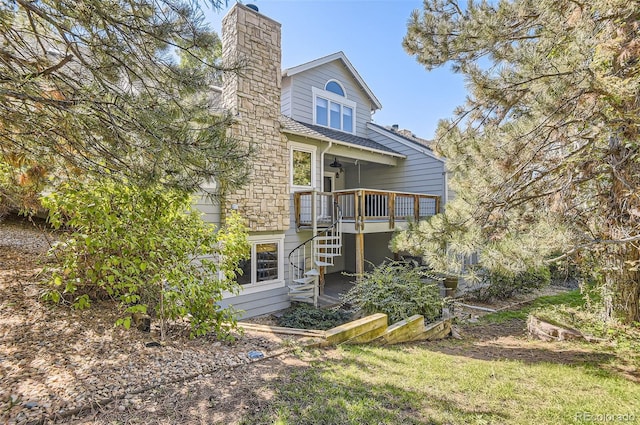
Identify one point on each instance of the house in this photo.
(329, 186)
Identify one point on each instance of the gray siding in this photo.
(285, 99)
(210, 211)
(259, 303)
(417, 173)
(301, 108)
(254, 304)
(376, 250)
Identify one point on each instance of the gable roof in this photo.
(330, 58)
(405, 134)
(292, 126)
(413, 142)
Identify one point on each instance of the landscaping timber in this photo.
(433, 331)
(403, 331)
(282, 330)
(371, 328)
(368, 328)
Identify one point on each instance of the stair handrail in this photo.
(338, 219)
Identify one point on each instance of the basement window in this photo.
(265, 264)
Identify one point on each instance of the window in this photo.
(347, 119)
(334, 87)
(332, 109)
(321, 111)
(265, 264)
(302, 165)
(335, 116)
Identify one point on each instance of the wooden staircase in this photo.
(309, 260)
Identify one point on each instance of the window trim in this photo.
(254, 286)
(342, 101)
(302, 148)
(333, 80)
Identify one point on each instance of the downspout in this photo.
(322, 163)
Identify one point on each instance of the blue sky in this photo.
(370, 33)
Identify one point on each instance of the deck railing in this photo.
(365, 205)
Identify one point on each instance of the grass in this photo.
(457, 382)
(569, 299)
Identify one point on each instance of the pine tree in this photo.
(117, 88)
(544, 155)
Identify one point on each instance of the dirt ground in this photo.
(55, 361)
(220, 393)
(226, 397)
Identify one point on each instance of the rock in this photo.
(31, 404)
(254, 354)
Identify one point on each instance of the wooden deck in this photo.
(364, 210)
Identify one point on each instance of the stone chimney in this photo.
(253, 95)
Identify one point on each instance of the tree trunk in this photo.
(622, 278)
(627, 295)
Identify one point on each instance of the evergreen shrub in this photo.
(397, 289)
(304, 316)
(501, 284)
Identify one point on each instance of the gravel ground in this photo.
(56, 363)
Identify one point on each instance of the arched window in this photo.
(334, 87)
(332, 109)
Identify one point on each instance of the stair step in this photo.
(328, 238)
(327, 254)
(312, 272)
(323, 263)
(304, 280)
(305, 293)
(302, 299)
(298, 288)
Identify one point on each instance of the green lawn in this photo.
(476, 381)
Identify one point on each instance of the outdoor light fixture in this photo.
(335, 163)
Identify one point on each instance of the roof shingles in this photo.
(296, 127)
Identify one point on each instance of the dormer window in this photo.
(332, 109)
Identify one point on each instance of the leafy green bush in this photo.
(304, 316)
(502, 284)
(147, 249)
(397, 289)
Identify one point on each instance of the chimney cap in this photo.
(395, 127)
(253, 7)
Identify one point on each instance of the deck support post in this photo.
(391, 210)
(359, 255)
(314, 224)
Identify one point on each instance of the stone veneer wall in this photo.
(253, 94)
